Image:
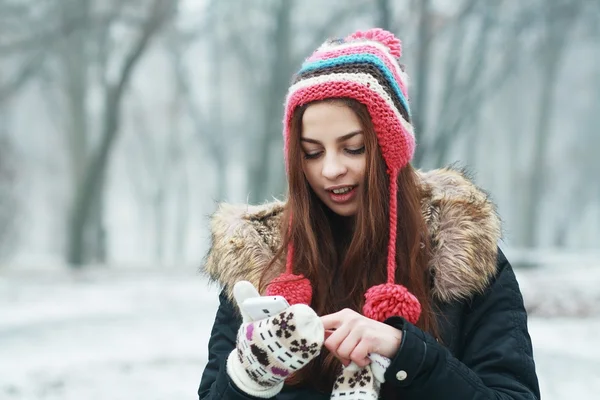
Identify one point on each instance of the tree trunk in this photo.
(280, 70)
(469, 95)
(419, 110)
(75, 62)
(384, 15)
(210, 129)
(90, 185)
(537, 175)
(217, 124)
(584, 191)
(558, 25)
(222, 179)
(182, 218)
(95, 246)
(9, 205)
(158, 207)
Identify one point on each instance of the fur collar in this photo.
(463, 226)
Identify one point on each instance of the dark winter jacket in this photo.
(484, 350)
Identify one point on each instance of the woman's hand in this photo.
(353, 336)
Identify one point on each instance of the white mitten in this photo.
(355, 383)
(267, 351)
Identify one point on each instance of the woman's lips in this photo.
(343, 198)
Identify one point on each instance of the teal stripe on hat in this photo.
(359, 58)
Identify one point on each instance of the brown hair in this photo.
(331, 250)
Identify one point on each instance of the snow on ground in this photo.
(561, 291)
(107, 334)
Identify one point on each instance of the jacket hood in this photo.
(463, 225)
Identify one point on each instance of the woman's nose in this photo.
(333, 167)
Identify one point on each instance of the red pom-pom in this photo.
(382, 36)
(296, 289)
(388, 300)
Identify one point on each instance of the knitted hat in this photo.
(363, 66)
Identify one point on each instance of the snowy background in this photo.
(139, 333)
(97, 296)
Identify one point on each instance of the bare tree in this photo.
(71, 43)
(584, 192)
(89, 186)
(15, 21)
(279, 69)
(210, 126)
(558, 17)
(8, 199)
(422, 71)
(384, 15)
(473, 70)
(270, 57)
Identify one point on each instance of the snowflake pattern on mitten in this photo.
(356, 384)
(269, 350)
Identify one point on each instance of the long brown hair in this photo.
(343, 257)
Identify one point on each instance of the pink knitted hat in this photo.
(364, 66)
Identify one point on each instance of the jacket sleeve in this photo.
(497, 357)
(215, 383)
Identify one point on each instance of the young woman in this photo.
(398, 287)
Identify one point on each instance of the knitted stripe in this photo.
(356, 68)
(332, 50)
(397, 149)
(360, 59)
(363, 79)
(375, 49)
(367, 81)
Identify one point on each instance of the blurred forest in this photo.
(122, 123)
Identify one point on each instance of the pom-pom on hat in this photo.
(363, 66)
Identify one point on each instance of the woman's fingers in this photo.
(346, 348)
(349, 337)
(336, 338)
(360, 353)
(335, 320)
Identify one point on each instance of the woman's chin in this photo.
(343, 210)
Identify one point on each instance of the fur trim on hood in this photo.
(463, 225)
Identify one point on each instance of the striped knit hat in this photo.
(364, 66)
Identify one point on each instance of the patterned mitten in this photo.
(268, 350)
(356, 383)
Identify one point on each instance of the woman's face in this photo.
(334, 155)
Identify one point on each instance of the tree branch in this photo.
(45, 38)
(31, 68)
(320, 34)
(161, 10)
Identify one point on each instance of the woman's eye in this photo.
(356, 151)
(311, 156)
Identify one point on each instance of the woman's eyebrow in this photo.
(339, 140)
(348, 136)
(310, 140)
